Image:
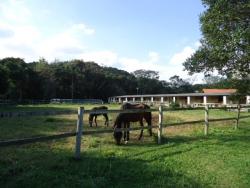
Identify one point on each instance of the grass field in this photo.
(185, 159)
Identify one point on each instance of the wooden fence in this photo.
(80, 132)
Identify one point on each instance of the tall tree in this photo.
(179, 85)
(73, 79)
(18, 77)
(3, 80)
(150, 74)
(226, 36)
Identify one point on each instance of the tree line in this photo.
(77, 79)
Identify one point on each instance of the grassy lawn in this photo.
(185, 159)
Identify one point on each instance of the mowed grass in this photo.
(186, 158)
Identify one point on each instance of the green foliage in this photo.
(225, 42)
(179, 85)
(174, 105)
(3, 80)
(69, 79)
(18, 76)
(225, 45)
(146, 74)
(76, 79)
(148, 82)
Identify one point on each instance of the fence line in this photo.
(244, 117)
(92, 132)
(35, 113)
(9, 114)
(79, 132)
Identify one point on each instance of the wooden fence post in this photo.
(238, 117)
(79, 132)
(206, 121)
(160, 124)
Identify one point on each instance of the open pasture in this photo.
(186, 158)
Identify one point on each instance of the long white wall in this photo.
(183, 100)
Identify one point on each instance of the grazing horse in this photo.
(125, 119)
(91, 115)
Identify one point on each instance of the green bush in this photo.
(174, 105)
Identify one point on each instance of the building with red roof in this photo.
(211, 97)
(219, 91)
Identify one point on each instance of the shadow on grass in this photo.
(233, 138)
(34, 166)
(93, 170)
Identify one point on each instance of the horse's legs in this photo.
(149, 122)
(95, 120)
(150, 129)
(128, 126)
(124, 132)
(106, 119)
(141, 123)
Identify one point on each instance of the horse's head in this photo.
(91, 116)
(117, 136)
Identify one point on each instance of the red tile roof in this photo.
(219, 90)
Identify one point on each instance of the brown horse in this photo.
(125, 119)
(91, 115)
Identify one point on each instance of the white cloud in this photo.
(167, 70)
(132, 64)
(83, 29)
(20, 37)
(197, 44)
(20, 42)
(180, 57)
(15, 11)
(154, 57)
(107, 58)
(62, 45)
(175, 67)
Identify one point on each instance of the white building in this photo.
(213, 97)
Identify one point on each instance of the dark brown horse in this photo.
(91, 115)
(123, 121)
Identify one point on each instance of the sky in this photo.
(127, 34)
